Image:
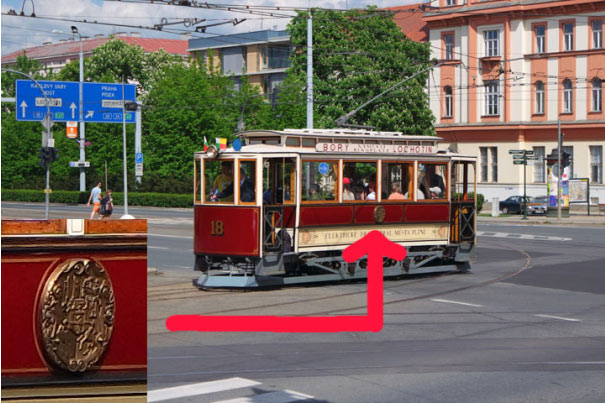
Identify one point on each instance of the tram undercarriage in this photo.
(280, 269)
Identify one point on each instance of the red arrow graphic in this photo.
(374, 244)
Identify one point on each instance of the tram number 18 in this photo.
(216, 228)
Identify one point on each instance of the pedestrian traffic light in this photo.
(565, 159)
(53, 154)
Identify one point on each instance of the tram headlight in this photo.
(212, 151)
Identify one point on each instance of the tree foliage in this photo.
(357, 55)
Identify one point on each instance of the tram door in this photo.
(279, 209)
(462, 216)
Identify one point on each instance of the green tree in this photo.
(357, 54)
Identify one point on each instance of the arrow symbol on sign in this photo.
(89, 114)
(23, 106)
(73, 110)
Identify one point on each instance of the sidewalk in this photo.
(594, 220)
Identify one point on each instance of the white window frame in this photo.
(596, 164)
(539, 168)
(597, 95)
(567, 97)
(568, 37)
(539, 106)
(450, 3)
(492, 98)
(448, 102)
(597, 34)
(448, 47)
(491, 42)
(540, 39)
(488, 164)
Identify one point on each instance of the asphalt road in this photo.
(526, 325)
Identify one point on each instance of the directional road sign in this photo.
(516, 151)
(518, 162)
(518, 157)
(63, 99)
(533, 158)
(103, 102)
(529, 152)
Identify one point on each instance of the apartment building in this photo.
(510, 71)
(56, 55)
(261, 56)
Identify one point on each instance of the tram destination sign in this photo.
(397, 149)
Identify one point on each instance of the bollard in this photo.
(495, 207)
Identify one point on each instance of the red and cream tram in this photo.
(279, 207)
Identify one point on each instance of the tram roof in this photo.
(341, 133)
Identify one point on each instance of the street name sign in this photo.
(63, 100)
(518, 157)
(103, 102)
(518, 162)
(533, 158)
(79, 164)
(516, 151)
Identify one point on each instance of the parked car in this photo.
(514, 205)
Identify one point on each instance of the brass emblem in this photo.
(77, 311)
(379, 214)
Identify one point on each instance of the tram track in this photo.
(205, 296)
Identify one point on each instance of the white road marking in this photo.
(521, 236)
(282, 396)
(171, 236)
(559, 317)
(202, 388)
(447, 301)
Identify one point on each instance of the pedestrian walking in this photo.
(95, 194)
(106, 205)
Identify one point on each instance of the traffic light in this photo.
(565, 159)
(44, 157)
(130, 106)
(53, 154)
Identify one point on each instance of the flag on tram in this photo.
(206, 145)
(221, 143)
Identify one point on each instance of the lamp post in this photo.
(74, 30)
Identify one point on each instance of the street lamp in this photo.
(74, 31)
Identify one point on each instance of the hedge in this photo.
(75, 197)
(134, 199)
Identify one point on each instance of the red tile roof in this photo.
(409, 20)
(59, 49)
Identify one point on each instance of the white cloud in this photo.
(19, 32)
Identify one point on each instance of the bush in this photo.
(480, 199)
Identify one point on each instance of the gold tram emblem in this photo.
(379, 214)
(77, 312)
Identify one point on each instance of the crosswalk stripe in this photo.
(282, 396)
(521, 236)
(201, 388)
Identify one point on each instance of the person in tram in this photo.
(371, 191)
(347, 193)
(222, 182)
(314, 192)
(396, 192)
(246, 187)
(435, 192)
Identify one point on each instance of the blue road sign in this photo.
(103, 102)
(138, 158)
(63, 97)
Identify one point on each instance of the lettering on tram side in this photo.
(341, 236)
(398, 149)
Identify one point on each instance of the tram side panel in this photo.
(226, 231)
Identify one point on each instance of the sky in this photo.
(23, 32)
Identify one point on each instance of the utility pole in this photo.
(126, 215)
(559, 193)
(75, 31)
(310, 69)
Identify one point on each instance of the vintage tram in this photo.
(279, 207)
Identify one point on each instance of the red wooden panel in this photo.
(240, 230)
(427, 212)
(326, 215)
(364, 214)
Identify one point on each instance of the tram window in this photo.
(361, 178)
(308, 142)
(293, 141)
(247, 181)
(397, 180)
(279, 175)
(319, 180)
(218, 181)
(431, 180)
